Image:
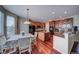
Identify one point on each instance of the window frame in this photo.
(3, 21)
(6, 12)
(10, 14)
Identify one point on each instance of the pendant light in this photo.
(27, 20)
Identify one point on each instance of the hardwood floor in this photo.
(41, 47)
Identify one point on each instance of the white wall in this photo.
(24, 27)
(60, 44)
(71, 42)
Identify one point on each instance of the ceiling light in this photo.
(60, 16)
(49, 20)
(27, 20)
(65, 12)
(53, 12)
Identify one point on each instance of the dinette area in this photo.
(16, 44)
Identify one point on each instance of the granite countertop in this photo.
(59, 34)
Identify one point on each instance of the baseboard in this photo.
(57, 51)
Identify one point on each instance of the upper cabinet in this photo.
(37, 24)
(62, 23)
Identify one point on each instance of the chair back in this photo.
(2, 42)
(24, 43)
(2, 39)
(12, 44)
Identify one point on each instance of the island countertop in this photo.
(43, 35)
(59, 34)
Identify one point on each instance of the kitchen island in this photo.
(44, 36)
(63, 43)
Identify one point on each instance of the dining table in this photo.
(20, 36)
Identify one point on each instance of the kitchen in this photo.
(62, 33)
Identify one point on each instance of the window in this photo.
(10, 26)
(1, 23)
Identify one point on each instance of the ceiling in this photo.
(43, 12)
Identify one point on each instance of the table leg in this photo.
(30, 49)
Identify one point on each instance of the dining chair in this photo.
(7, 45)
(2, 42)
(35, 37)
(11, 45)
(24, 45)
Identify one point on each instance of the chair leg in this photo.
(30, 50)
(1, 49)
(19, 52)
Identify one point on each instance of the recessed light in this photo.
(65, 12)
(53, 12)
(60, 16)
(49, 20)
